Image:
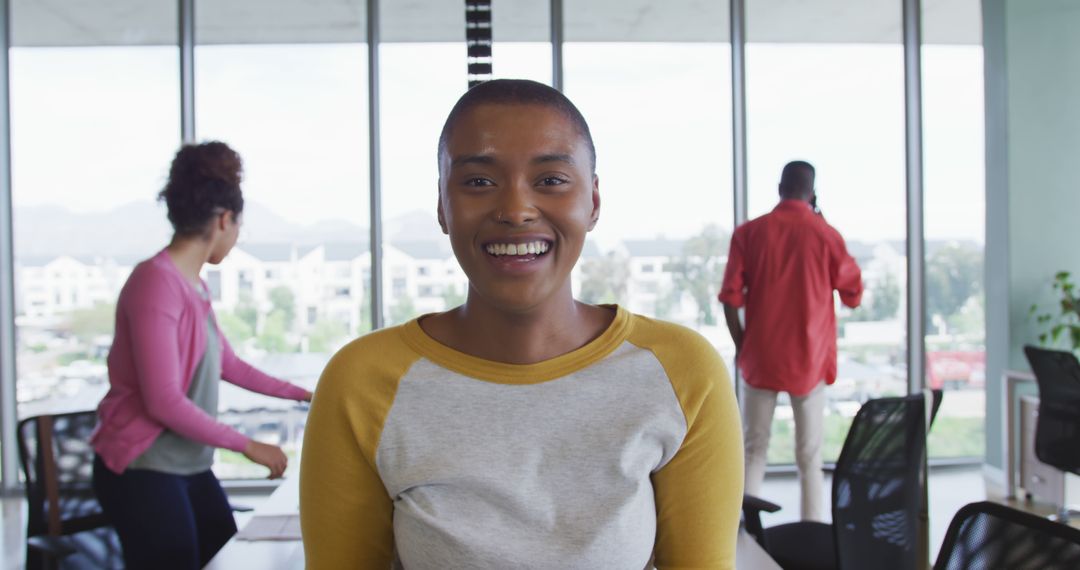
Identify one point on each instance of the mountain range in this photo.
(137, 229)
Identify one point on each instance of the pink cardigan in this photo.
(160, 339)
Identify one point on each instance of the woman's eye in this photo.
(552, 181)
(478, 182)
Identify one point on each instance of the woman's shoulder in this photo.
(151, 280)
(660, 334)
(690, 360)
(383, 352)
(375, 342)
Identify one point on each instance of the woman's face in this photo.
(224, 233)
(517, 196)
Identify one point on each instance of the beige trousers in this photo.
(809, 410)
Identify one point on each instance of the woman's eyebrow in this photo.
(472, 159)
(568, 159)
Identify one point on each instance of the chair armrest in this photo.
(53, 547)
(240, 508)
(750, 502)
(752, 508)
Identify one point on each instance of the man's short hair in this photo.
(517, 92)
(797, 179)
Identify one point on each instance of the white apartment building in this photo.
(47, 288)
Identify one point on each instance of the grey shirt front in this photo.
(173, 453)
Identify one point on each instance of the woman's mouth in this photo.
(529, 249)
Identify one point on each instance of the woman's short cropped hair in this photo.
(517, 92)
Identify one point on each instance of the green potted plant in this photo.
(1061, 328)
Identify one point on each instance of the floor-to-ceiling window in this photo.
(655, 87)
(827, 86)
(94, 123)
(287, 88)
(95, 120)
(955, 213)
(423, 72)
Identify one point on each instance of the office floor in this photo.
(950, 488)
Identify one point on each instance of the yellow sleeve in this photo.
(346, 515)
(699, 492)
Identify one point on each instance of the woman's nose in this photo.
(515, 206)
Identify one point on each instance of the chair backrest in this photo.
(58, 460)
(1057, 429)
(877, 487)
(56, 452)
(990, 535)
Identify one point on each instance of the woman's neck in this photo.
(487, 332)
(189, 255)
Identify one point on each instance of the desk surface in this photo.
(289, 554)
(267, 554)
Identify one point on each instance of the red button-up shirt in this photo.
(783, 267)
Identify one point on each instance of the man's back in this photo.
(783, 267)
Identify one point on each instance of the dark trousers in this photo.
(165, 521)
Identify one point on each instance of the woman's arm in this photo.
(699, 492)
(346, 514)
(238, 372)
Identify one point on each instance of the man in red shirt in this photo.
(783, 267)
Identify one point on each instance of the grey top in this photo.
(173, 453)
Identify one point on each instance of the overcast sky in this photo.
(94, 128)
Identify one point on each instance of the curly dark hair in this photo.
(204, 180)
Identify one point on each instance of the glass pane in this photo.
(420, 81)
(955, 207)
(88, 159)
(834, 96)
(660, 114)
(297, 285)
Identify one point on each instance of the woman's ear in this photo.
(442, 216)
(595, 216)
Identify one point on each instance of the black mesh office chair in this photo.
(1057, 429)
(877, 496)
(65, 527)
(989, 535)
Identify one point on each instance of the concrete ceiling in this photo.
(154, 22)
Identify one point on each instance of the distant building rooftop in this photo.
(661, 247)
(268, 251)
(345, 251)
(427, 249)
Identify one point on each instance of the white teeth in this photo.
(531, 248)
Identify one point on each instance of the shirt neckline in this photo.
(794, 205)
(504, 373)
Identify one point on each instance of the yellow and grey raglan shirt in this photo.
(625, 450)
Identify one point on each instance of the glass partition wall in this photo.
(95, 119)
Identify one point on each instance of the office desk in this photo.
(266, 554)
(1011, 378)
(289, 554)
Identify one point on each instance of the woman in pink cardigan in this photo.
(158, 424)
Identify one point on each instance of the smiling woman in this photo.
(523, 428)
(510, 174)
